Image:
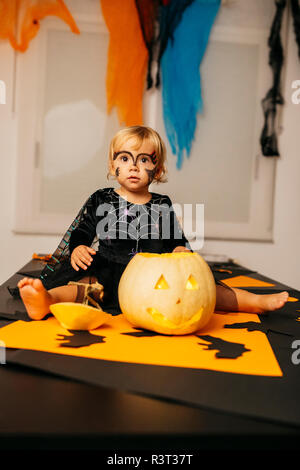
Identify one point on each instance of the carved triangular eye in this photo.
(161, 283)
(191, 283)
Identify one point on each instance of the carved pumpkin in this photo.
(81, 316)
(170, 293)
(76, 316)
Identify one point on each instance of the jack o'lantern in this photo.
(170, 293)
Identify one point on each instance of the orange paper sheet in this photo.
(176, 351)
(245, 281)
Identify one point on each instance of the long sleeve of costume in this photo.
(85, 232)
(174, 236)
(58, 271)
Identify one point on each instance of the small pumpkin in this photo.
(76, 316)
(170, 293)
(87, 315)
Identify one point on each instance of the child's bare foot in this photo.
(36, 298)
(270, 302)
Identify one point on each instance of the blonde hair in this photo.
(139, 134)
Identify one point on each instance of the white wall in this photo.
(15, 250)
(279, 260)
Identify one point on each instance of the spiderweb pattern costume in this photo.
(131, 228)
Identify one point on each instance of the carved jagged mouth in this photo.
(162, 320)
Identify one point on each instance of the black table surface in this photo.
(43, 411)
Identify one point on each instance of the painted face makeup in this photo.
(135, 168)
(153, 158)
(124, 159)
(151, 174)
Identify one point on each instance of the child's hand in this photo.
(81, 256)
(181, 248)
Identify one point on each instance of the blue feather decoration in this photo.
(181, 84)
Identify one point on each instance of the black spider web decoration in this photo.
(274, 98)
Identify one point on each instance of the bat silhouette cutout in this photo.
(140, 333)
(79, 339)
(226, 349)
(254, 326)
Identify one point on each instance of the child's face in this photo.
(135, 168)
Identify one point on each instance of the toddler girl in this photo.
(133, 216)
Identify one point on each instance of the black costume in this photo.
(117, 230)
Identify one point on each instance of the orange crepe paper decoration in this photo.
(127, 61)
(8, 20)
(28, 13)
